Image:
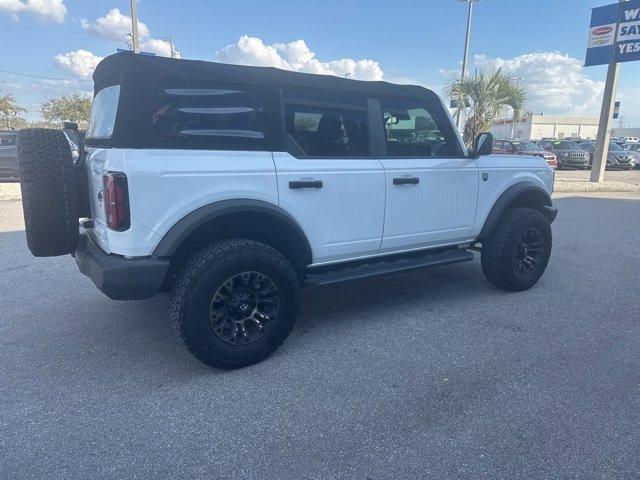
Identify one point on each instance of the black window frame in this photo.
(437, 113)
(267, 98)
(313, 99)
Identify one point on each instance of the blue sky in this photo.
(542, 41)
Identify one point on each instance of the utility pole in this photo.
(467, 39)
(606, 113)
(134, 26)
(171, 46)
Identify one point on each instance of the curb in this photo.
(579, 186)
(10, 191)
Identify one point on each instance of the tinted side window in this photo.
(216, 118)
(328, 132)
(414, 130)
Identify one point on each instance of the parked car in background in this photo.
(8, 156)
(523, 147)
(618, 157)
(631, 139)
(567, 153)
(634, 151)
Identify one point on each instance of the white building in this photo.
(535, 127)
(625, 132)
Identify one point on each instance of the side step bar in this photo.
(321, 276)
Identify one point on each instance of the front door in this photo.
(432, 188)
(328, 182)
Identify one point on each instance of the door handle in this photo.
(298, 184)
(406, 181)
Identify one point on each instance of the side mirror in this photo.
(483, 144)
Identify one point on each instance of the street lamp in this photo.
(466, 46)
(513, 117)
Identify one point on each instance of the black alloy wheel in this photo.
(529, 252)
(244, 307)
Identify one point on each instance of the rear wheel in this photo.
(516, 254)
(234, 303)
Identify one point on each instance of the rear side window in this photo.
(103, 113)
(413, 130)
(328, 132)
(216, 118)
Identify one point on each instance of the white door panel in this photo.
(343, 219)
(440, 209)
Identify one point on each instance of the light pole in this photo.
(513, 118)
(466, 50)
(134, 26)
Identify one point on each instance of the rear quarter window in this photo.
(103, 113)
(216, 118)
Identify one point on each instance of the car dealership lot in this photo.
(432, 374)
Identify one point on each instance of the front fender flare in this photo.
(542, 202)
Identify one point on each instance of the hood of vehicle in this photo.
(537, 153)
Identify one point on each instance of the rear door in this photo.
(327, 179)
(432, 187)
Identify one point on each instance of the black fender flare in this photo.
(179, 232)
(542, 202)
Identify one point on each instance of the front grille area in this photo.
(623, 158)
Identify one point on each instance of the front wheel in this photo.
(516, 254)
(234, 303)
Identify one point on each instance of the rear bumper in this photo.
(117, 277)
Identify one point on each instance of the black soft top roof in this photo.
(162, 67)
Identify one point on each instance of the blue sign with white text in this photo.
(614, 34)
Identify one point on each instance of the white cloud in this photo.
(113, 26)
(295, 56)
(159, 47)
(80, 63)
(53, 10)
(556, 83)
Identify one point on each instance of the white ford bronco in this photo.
(232, 187)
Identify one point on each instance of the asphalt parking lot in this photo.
(432, 374)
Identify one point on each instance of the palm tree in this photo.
(486, 94)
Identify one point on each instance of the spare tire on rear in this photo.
(49, 192)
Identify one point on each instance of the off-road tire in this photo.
(203, 274)
(499, 249)
(49, 192)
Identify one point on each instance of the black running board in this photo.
(321, 276)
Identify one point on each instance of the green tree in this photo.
(483, 96)
(68, 108)
(10, 111)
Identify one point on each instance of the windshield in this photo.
(566, 145)
(103, 113)
(615, 147)
(526, 146)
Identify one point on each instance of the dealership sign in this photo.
(614, 34)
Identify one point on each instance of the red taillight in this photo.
(116, 200)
